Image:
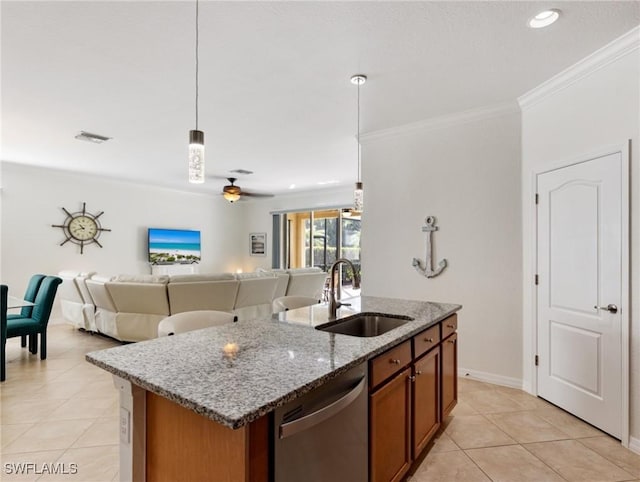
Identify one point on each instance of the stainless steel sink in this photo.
(365, 324)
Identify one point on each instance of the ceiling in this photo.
(275, 96)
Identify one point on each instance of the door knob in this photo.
(611, 308)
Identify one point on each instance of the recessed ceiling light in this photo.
(292, 186)
(89, 137)
(332, 181)
(544, 18)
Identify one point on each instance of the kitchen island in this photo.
(196, 406)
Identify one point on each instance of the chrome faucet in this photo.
(333, 303)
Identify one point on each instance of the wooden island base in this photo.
(182, 445)
(161, 441)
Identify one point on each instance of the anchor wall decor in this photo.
(428, 270)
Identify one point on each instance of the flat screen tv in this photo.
(174, 246)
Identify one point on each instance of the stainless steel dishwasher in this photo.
(323, 435)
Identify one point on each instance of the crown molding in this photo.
(599, 59)
(442, 122)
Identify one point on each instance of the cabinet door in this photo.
(426, 400)
(390, 429)
(449, 374)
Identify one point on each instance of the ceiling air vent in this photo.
(89, 137)
(241, 171)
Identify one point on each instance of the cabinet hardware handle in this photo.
(450, 326)
(429, 340)
(418, 372)
(412, 378)
(451, 341)
(395, 361)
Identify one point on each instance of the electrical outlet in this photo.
(125, 425)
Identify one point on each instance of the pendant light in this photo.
(196, 137)
(358, 194)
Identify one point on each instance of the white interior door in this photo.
(580, 255)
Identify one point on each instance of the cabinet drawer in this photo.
(390, 362)
(425, 341)
(449, 326)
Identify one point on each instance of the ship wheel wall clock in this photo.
(81, 228)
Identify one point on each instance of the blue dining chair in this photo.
(3, 330)
(29, 295)
(37, 322)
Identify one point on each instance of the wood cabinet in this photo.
(390, 429)
(425, 341)
(449, 374)
(385, 365)
(412, 387)
(426, 400)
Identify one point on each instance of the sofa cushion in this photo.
(304, 270)
(307, 284)
(99, 294)
(81, 281)
(256, 291)
(255, 274)
(281, 285)
(100, 278)
(142, 278)
(186, 278)
(202, 295)
(149, 298)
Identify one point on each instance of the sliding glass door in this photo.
(317, 239)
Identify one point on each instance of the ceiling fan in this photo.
(232, 193)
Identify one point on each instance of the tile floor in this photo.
(64, 410)
(505, 435)
(60, 411)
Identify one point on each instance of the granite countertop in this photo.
(278, 359)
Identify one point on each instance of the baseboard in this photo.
(634, 444)
(490, 378)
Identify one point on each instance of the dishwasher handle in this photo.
(291, 428)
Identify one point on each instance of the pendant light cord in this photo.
(358, 136)
(197, 60)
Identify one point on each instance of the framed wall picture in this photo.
(258, 244)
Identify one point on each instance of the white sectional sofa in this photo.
(76, 303)
(129, 308)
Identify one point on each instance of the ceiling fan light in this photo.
(231, 197)
(196, 157)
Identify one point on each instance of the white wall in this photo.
(595, 111)
(257, 217)
(468, 176)
(32, 199)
